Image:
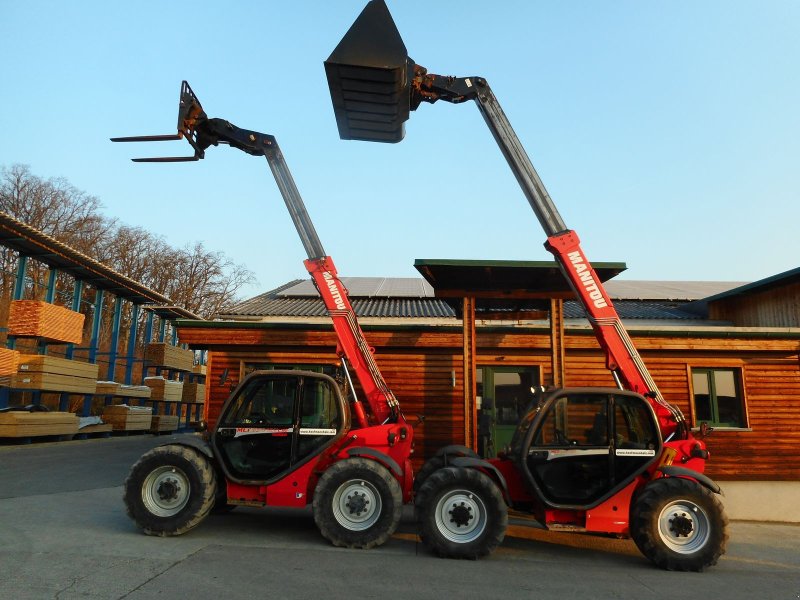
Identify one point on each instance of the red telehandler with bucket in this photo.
(616, 461)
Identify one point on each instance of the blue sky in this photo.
(667, 133)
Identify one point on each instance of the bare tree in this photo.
(54, 207)
(197, 279)
(206, 282)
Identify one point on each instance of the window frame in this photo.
(738, 381)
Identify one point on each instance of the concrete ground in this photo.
(64, 534)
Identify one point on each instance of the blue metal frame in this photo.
(132, 333)
(115, 324)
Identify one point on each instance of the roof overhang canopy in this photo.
(509, 288)
(31, 242)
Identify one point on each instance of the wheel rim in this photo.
(460, 516)
(683, 526)
(166, 491)
(357, 505)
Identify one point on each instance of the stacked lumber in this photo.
(98, 428)
(199, 370)
(34, 318)
(9, 362)
(128, 418)
(194, 392)
(163, 423)
(164, 389)
(32, 424)
(42, 372)
(107, 388)
(161, 354)
(133, 391)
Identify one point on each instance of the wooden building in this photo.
(475, 330)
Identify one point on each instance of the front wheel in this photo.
(357, 503)
(461, 513)
(170, 490)
(679, 525)
(439, 460)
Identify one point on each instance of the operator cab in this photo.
(577, 447)
(277, 420)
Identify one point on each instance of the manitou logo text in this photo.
(334, 290)
(587, 280)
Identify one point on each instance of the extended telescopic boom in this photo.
(202, 132)
(374, 85)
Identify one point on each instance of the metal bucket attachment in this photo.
(369, 76)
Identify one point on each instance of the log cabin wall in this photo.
(778, 307)
(424, 368)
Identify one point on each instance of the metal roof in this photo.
(36, 244)
(369, 287)
(667, 290)
(299, 299)
(762, 285)
(173, 312)
(279, 303)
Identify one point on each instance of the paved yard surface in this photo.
(64, 534)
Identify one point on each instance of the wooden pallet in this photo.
(33, 424)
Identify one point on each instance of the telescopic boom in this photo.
(202, 132)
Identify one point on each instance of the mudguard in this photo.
(468, 462)
(676, 471)
(386, 460)
(195, 442)
(455, 450)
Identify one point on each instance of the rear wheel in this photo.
(357, 503)
(679, 525)
(461, 513)
(170, 490)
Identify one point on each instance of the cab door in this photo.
(275, 421)
(584, 445)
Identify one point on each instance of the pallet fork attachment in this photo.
(202, 132)
(189, 112)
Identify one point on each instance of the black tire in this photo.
(357, 503)
(439, 460)
(170, 490)
(679, 525)
(461, 513)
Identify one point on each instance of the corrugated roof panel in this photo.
(368, 287)
(666, 290)
(413, 298)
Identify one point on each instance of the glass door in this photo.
(503, 394)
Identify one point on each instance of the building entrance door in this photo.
(504, 393)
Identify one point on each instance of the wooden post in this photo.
(470, 388)
(557, 341)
